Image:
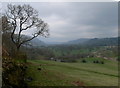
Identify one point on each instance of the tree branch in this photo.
(12, 34)
(29, 26)
(28, 39)
(19, 32)
(25, 20)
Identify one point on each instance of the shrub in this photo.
(21, 56)
(84, 61)
(97, 61)
(13, 74)
(102, 62)
(94, 61)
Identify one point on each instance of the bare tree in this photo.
(22, 18)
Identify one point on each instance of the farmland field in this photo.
(54, 73)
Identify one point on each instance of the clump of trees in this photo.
(39, 53)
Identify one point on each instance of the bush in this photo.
(21, 56)
(102, 62)
(84, 61)
(97, 61)
(94, 61)
(13, 74)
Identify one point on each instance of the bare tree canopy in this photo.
(24, 17)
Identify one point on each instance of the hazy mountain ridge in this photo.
(37, 42)
(33, 42)
(82, 41)
(95, 41)
(78, 41)
(103, 41)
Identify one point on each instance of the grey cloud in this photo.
(72, 20)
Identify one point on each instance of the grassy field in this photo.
(73, 74)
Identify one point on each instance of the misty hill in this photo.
(54, 43)
(34, 42)
(102, 41)
(78, 41)
(37, 42)
(95, 41)
(82, 41)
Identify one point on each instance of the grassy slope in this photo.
(67, 74)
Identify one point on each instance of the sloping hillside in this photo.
(52, 73)
(102, 42)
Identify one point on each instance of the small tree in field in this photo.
(23, 18)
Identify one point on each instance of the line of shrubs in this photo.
(96, 61)
(100, 62)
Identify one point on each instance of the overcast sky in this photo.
(69, 20)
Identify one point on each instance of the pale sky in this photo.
(73, 20)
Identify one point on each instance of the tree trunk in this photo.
(18, 48)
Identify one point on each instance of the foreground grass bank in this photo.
(72, 74)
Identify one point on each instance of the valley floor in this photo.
(53, 73)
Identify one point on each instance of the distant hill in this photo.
(37, 42)
(95, 41)
(102, 41)
(34, 42)
(54, 43)
(78, 41)
(82, 41)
